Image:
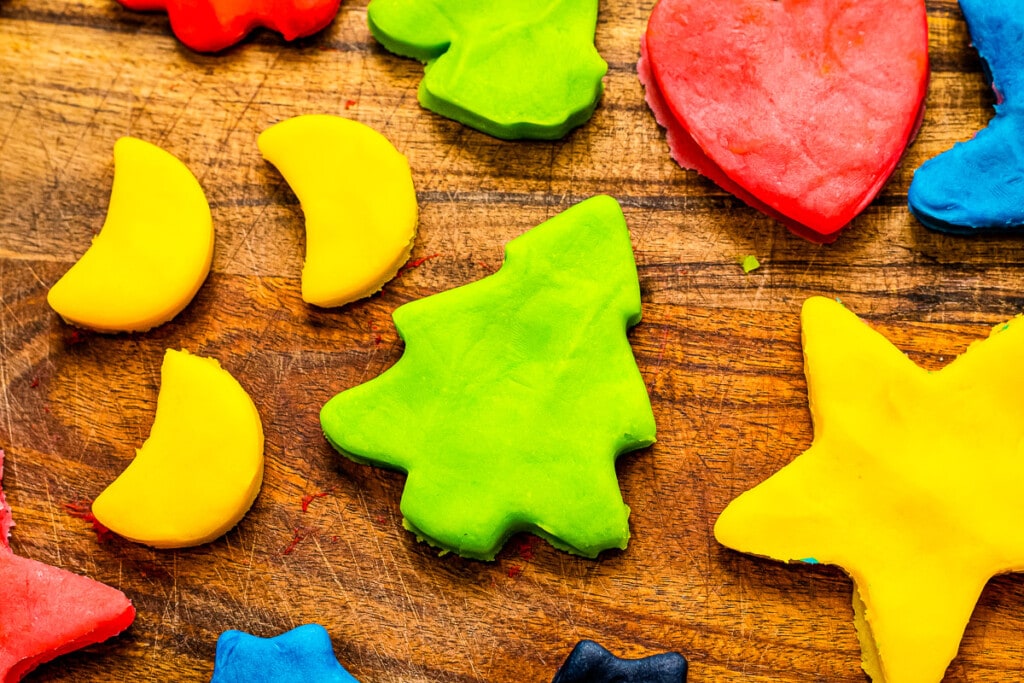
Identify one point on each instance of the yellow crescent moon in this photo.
(357, 194)
(201, 467)
(153, 252)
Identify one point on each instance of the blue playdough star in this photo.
(978, 185)
(301, 655)
(590, 663)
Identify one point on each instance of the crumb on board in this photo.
(415, 263)
(82, 509)
(309, 497)
(298, 533)
(749, 263)
(526, 547)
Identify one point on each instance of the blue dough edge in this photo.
(978, 186)
(301, 655)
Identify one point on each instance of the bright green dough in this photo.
(523, 69)
(514, 396)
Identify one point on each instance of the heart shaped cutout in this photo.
(801, 108)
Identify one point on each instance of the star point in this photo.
(911, 485)
(46, 611)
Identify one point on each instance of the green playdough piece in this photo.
(524, 69)
(514, 396)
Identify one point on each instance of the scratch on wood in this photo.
(14, 119)
(248, 571)
(53, 523)
(6, 348)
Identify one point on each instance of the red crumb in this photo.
(483, 265)
(82, 509)
(35, 383)
(381, 519)
(349, 104)
(334, 539)
(415, 263)
(526, 547)
(308, 498)
(46, 409)
(514, 571)
(75, 337)
(297, 535)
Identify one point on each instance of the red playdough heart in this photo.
(801, 108)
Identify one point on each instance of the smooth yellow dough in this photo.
(912, 485)
(201, 467)
(153, 252)
(357, 194)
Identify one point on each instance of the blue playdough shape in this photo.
(301, 655)
(590, 663)
(978, 185)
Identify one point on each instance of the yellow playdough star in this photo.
(913, 485)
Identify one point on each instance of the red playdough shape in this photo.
(801, 108)
(46, 611)
(214, 25)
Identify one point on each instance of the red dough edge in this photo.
(688, 154)
(206, 28)
(48, 611)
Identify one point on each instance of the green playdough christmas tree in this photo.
(524, 69)
(514, 396)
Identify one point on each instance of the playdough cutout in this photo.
(153, 252)
(977, 185)
(356, 191)
(514, 396)
(525, 69)
(214, 25)
(591, 663)
(47, 611)
(800, 109)
(201, 467)
(302, 655)
(911, 485)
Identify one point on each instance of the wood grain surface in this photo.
(718, 349)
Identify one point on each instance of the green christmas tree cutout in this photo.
(524, 69)
(514, 396)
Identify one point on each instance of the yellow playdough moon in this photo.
(357, 194)
(153, 252)
(201, 467)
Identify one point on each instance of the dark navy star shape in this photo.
(301, 655)
(590, 663)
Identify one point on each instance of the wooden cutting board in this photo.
(718, 349)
